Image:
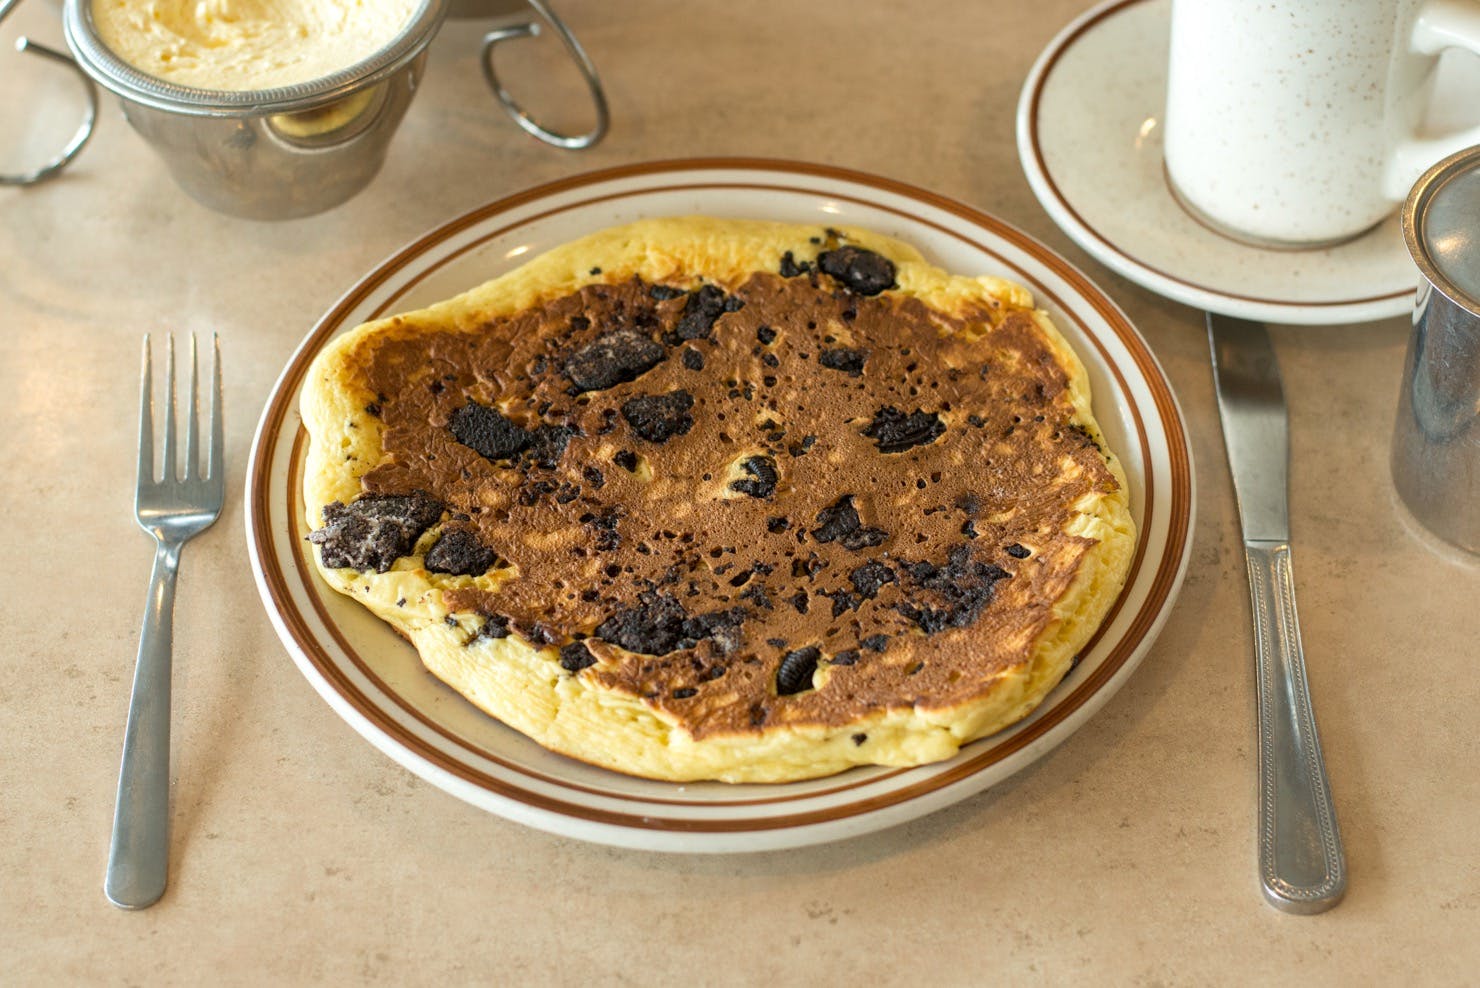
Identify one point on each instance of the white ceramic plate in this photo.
(1089, 137)
(375, 681)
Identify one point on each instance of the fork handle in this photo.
(1302, 866)
(138, 857)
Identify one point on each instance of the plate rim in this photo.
(1164, 283)
(758, 833)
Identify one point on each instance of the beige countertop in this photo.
(300, 853)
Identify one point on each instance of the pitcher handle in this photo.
(583, 61)
(84, 131)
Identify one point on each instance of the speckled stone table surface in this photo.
(301, 854)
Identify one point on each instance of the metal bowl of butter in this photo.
(261, 109)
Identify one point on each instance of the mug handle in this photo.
(582, 60)
(1441, 25)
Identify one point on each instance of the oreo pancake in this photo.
(709, 499)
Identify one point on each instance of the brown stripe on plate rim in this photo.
(1156, 599)
(1063, 46)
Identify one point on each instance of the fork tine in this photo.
(146, 421)
(168, 472)
(192, 441)
(218, 437)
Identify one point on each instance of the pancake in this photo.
(712, 499)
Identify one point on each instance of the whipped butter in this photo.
(247, 44)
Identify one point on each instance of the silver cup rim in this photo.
(121, 78)
(1413, 216)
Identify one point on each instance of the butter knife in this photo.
(1302, 866)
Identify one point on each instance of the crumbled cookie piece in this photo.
(894, 431)
(953, 595)
(491, 435)
(662, 293)
(840, 523)
(575, 657)
(794, 675)
(658, 418)
(849, 360)
(868, 578)
(604, 525)
(487, 432)
(494, 626)
(547, 444)
(862, 272)
(658, 624)
(701, 312)
(459, 553)
(653, 626)
(374, 530)
(762, 480)
(619, 356)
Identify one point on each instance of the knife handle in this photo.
(1302, 866)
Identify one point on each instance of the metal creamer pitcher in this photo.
(1436, 441)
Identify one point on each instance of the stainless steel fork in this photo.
(173, 505)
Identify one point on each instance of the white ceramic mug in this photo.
(1295, 122)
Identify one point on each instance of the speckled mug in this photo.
(1296, 122)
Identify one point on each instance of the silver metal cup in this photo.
(1436, 441)
(272, 153)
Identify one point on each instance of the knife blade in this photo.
(1302, 864)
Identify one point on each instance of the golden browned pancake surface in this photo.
(743, 518)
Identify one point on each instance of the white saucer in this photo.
(1089, 136)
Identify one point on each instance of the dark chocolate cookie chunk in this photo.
(494, 626)
(895, 431)
(701, 311)
(575, 657)
(849, 360)
(653, 626)
(795, 672)
(840, 523)
(791, 268)
(662, 293)
(953, 595)
(375, 530)
(487, 432)
(604, 525)
(720, 627)
(617, 357)
(458, 552)
(658, 624)
(868, 578)
(658, 418)
(547, 444)
(861, 271)
(762, 480)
